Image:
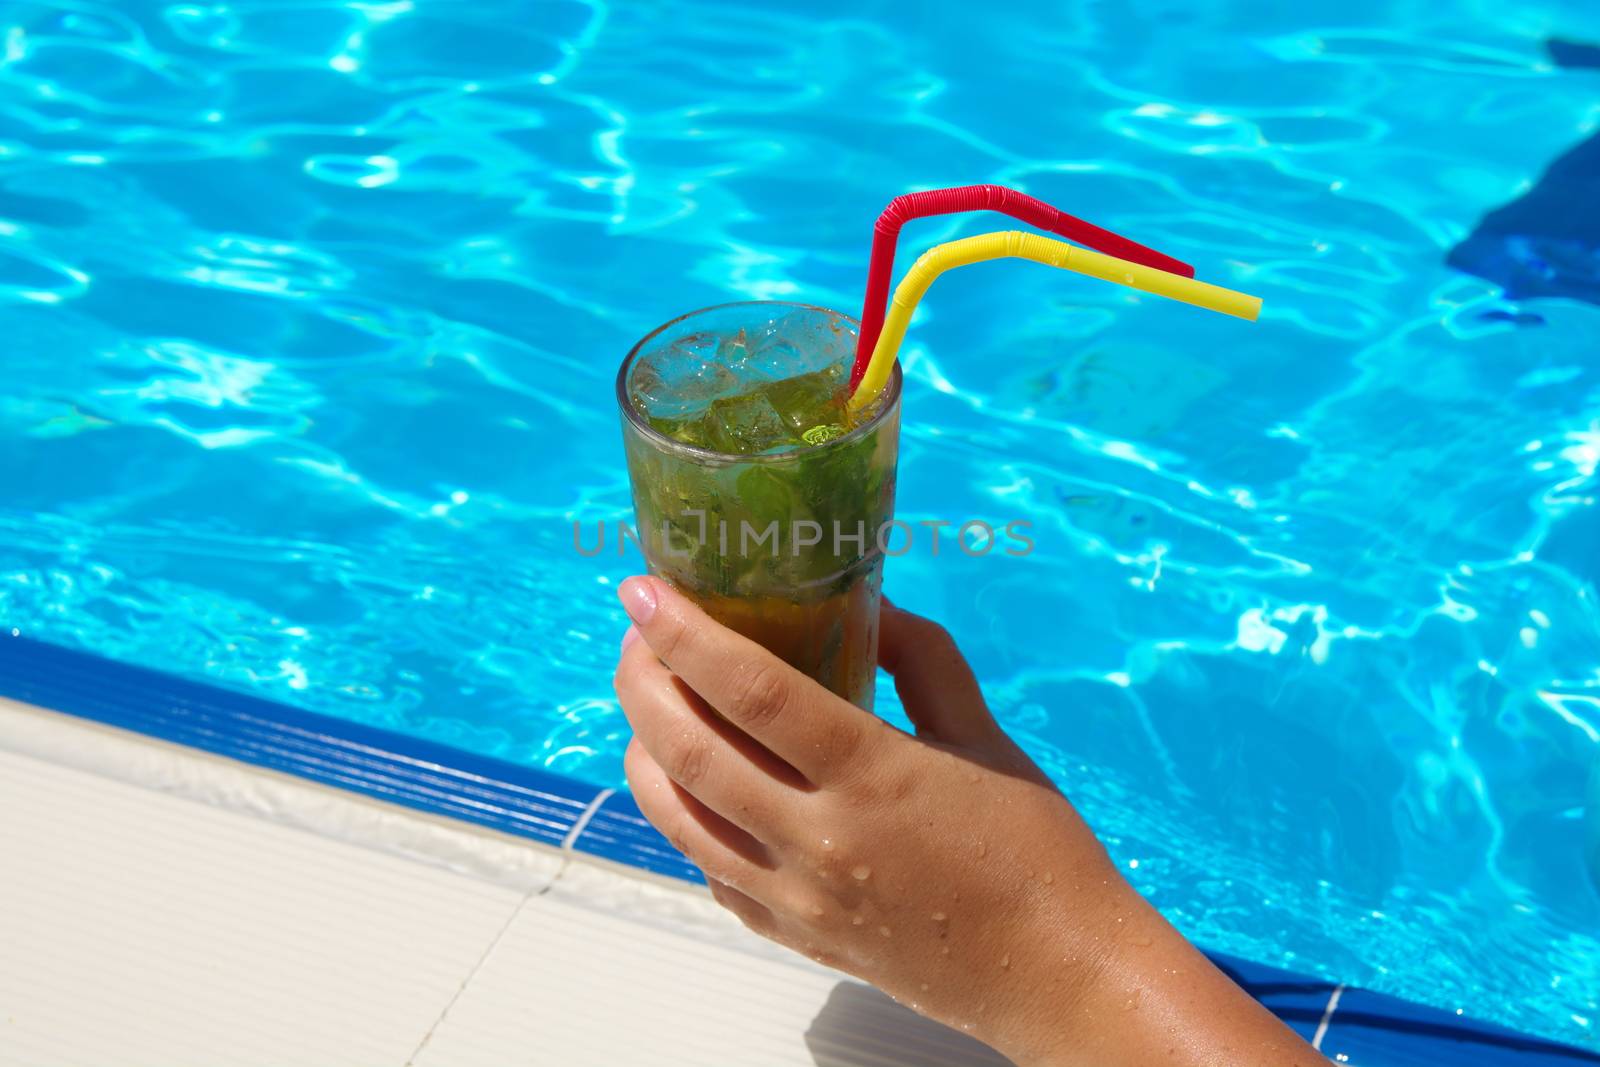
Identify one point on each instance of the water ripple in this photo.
(311, 313)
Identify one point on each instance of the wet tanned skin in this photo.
(944, 867)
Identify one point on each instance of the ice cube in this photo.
(745, 425)
(734, 350)
(678, 381)
(690, 431)
(773, 361)
(703, 344)
(807, 400)
(797, 344)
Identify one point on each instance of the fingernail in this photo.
(638, 600)
(630, 637)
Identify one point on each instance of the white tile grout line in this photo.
(1327, 1017)
(583, 820)
(483, 957)
(573, 834)
(578, 827)
(566, 847)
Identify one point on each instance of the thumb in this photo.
(936, 687)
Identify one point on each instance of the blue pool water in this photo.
(309, 314)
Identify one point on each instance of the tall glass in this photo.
(782, 547)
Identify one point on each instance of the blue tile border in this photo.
(1365, 1029)
(379, 763)
(1299, 1001)
(1372, 1030)
(618, 832)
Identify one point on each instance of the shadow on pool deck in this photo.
(859, 1021)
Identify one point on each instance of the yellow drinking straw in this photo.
(1015, 243)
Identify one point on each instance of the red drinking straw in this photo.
(962, 198)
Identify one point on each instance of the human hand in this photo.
(944, 868)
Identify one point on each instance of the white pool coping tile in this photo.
(138, 928)
(638, 973)
(160, 907)
(179, 771)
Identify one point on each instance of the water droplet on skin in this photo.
(884, 930)
(816, 909)
(861, 873)
(1005, 961)
(1048, 878)
(924, 987)
(1132, 1002)
(827, 844)
(944, 950)
(857, 920)
(983, 849)
(938, 916)
(1142, 940)
(975, 779)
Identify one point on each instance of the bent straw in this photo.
(1044, 250)
(964, 198)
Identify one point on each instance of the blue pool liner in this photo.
(1362, 1028)
(1546, 241)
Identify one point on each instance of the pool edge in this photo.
(566, 814)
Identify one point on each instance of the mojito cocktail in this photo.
(756, 492)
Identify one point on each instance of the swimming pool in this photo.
(311, 313)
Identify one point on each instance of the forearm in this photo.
(1146, 996)
(944, 868)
